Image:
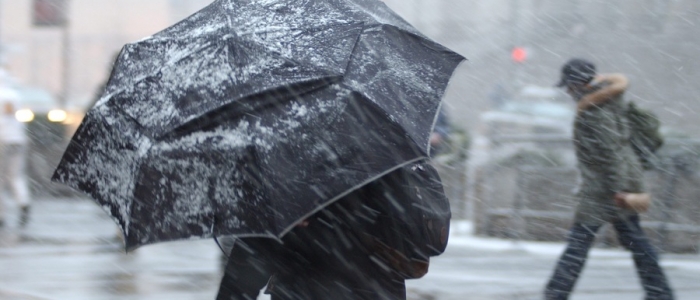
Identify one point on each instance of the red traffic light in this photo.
(518, 54)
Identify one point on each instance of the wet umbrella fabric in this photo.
(250, 115)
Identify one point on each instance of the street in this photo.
(70, 250)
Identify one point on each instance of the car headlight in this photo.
(57, 115)
(24, 115)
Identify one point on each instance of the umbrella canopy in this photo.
(250, 115)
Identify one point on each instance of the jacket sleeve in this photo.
(442, 125)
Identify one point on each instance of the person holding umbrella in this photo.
(361, 247)
(261, 120)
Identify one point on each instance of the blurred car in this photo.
(48, 128)
(538, 120)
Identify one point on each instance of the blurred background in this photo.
(508, 165)
(66, 47)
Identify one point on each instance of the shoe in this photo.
(24, 216)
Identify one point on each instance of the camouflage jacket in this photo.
(606, 161)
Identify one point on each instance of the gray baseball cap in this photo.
(578, 71)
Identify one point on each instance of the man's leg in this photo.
(226, 244)
(16, 163)
(646, 260)
(2, 212)
(248, 269)
(3, 181)
(571, 262)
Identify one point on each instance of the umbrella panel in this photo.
(254, 171)
(223, 70)
(259, 173)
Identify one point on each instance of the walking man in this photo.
(609, 170)
(13, 149)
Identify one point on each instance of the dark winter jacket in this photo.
(606, 161)
(356, 248)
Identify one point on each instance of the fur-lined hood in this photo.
(611, 86)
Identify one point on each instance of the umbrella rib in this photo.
(341, 195)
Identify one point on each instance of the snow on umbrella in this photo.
(248, 116)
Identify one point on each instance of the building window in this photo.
(48, 13)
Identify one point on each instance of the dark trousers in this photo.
(632, 237)
(248, 269)
(253, 261)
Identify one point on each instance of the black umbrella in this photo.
(250, 115)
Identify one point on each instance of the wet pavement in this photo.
(70, 250)
(487, 268)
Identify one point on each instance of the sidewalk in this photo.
(69, 251)
(488, 268)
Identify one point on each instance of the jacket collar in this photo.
(603, 88)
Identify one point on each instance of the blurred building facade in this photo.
(35, 33)
(653, 41)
